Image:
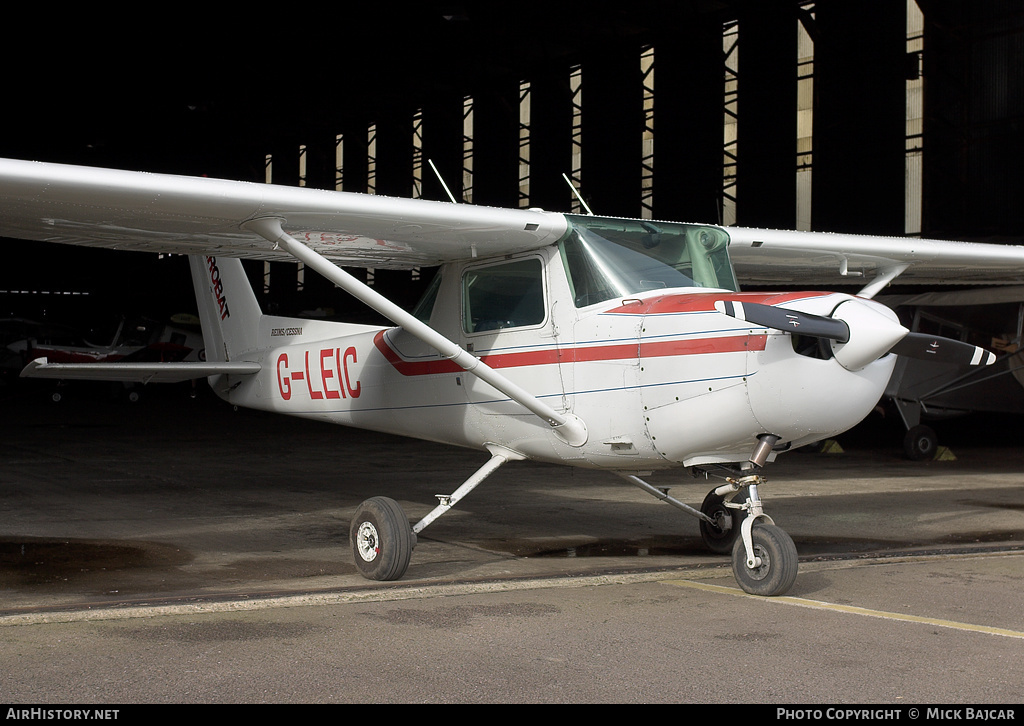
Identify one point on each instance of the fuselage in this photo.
(659, 377)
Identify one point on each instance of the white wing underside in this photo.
(816, 258)
(190, 215)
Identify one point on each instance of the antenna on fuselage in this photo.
(441, 179)
(571, 186)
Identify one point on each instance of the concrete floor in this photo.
(120, 522)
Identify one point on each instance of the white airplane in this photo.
(602, 343)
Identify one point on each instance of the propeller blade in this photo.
(945, 350)
(792, 321)
(912, 345)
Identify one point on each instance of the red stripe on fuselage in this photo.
(585, 354)
(413, 368)
(705, 302)
(701, 346)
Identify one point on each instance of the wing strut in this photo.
(568, 427)
(499, 456)
(883, 278)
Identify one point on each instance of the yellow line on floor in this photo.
(865, 612)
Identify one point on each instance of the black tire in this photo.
(920, 443)
(779, 562)
(381, 538)
(720, 539)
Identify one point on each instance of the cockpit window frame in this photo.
(607, 258)
(508, 321)
(424, 309)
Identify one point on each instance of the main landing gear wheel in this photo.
(719, 537)
(381, 538)
(920, 443)
(777, 570)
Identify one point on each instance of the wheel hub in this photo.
(762, 570)
(367, 542)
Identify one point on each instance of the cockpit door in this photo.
(511, 320)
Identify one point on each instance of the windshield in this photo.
(425, 307)
(609, 258)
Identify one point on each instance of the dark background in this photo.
(202, 90)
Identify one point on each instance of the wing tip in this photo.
(32, 366)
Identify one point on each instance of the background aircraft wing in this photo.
(772, 257)
(196, 215)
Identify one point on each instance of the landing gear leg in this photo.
(920, 442)
(732, 519)
(764, 558)
(381, 538)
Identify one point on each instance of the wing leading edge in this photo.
(196, 215)
(778, 257)
(192, 215)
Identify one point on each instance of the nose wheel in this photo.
(732, 519)
(764, 558)
(772, 568)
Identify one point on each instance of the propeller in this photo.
(793, 321)
(859, 334)
(946, 350)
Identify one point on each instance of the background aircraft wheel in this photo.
(920, 443)
(719, 539)
(779, 562)
(381, 538)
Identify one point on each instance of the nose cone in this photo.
(874, 330)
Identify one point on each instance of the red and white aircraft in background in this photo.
(603, 343)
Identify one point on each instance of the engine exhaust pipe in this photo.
(765, 444)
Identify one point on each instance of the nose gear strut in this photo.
(764, 557)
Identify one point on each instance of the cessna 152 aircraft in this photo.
(613, 344)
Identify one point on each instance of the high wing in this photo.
(197, 215)
(773, 257)
(191, 215)
(323, 229)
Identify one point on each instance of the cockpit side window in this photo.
(506, 295)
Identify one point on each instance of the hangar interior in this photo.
(896, 117)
